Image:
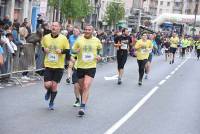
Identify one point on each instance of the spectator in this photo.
(28, 26)
(39, 21)
(16, 24)
(7, 21)
(46, 29)
(23, 32)
(69, 30)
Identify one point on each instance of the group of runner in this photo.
(85, 54)
(82, 52)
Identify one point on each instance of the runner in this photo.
(87, 48)
(73, 64)
(75, 82)
(142, 53)
(184, 43)
(55, 46)
(173, 47)
(121, 43)
(72, 38)
(148, 64)
(198, 49)
(166, 46)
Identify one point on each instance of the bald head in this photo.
(88, 30)
(55, 28)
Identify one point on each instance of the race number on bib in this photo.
(144, 50)
(124, 46)
(88, 57)
(52, 57)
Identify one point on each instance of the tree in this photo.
(114, 12)
(72, 9)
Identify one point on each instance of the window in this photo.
(188, 11)
(160, 11)
(176, 4)
(161, 2)
(168, 4)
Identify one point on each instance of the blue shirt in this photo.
(1, 50)
(72, 39)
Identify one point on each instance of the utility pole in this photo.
(195, 16)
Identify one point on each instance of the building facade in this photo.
(16, 9)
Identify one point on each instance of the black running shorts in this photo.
(74, 77)
(53, 74)
(172, 50)
(121, 58)
(89, 72)
(150, 57)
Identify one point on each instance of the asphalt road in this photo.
(167, 103)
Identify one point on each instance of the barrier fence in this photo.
(22, 61)
(29, 59)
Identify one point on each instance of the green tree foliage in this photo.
(73, 9)
(114, 12)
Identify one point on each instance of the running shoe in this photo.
(81, 111)
(140, 83)
(77, 104)
(146, 76)
(119, 81)
(47, 95)
(68, 80)
(51, 106)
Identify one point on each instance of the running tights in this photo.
(141, 65)
(121, 58)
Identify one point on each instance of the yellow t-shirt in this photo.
(184, 43)
(52, 59)
(86, 58)
(198, 44)
(143, 49)
(174, 42)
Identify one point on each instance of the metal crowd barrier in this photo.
(23, 60)
(29, 58)
(108, 51)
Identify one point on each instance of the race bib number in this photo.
(52, 57)
(124, 46)
(143, 51)
(88, 57)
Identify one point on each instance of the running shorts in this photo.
(89, 72)
(53, 74)
(121, 58)
(172, 50)
(150, 57)
(74, 77)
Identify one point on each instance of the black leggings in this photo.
(183, 52)
(198, 53)
(121, 58)
(141, 65)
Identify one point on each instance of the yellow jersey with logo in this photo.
(86, 58)
(198, 44)
(52, 59)
(143, 49)
(174, 42)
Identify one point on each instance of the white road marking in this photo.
(112, 129)
(176, 69)
(168, 76)
(114, 77)
(131, 112)
(161, 82)
(172, 72)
